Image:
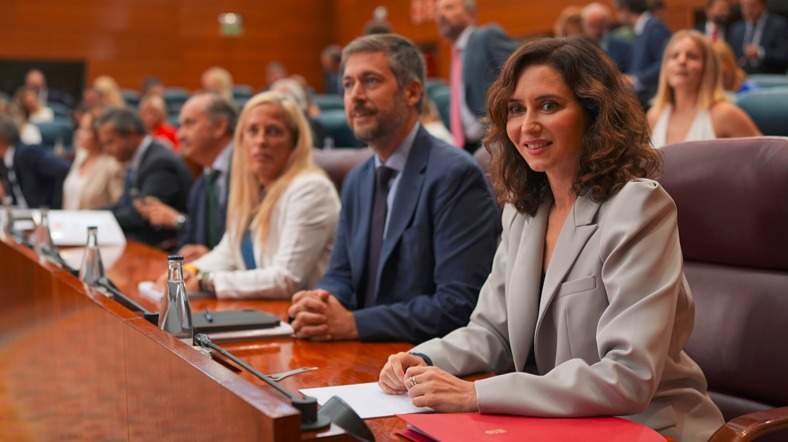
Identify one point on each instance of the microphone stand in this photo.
(307, 405)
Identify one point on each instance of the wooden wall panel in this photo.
(173, 39)
(177, 39)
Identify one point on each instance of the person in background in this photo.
(153, 112)
(31, 176)
(477, 55)
(95, 179)
(207, 123)
(418, 203)
(28, 132)
(651, 36)
(282, 213)
(330, 60)
(759, 39)
(569, 22)
(597, 19)
(274, 71)
(718, 14)
(152, 85)
(109, 92)
(690, 103)
(586, 311)
(293, 89)
(219, 81)
(36, 80)
(32, 109)
(152, 170)
(734, 79)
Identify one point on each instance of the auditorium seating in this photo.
(769, 80)
(335, 125)
(174, 97)
(440, 95)
(56, 131)
(733, 223)
(338, 162)
(327, 102)
(132, 98)
(768, 108)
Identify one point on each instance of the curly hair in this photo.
(616, 146)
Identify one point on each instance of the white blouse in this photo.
(295, 254)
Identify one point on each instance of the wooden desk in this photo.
(77, 365)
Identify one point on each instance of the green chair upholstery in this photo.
(335, 125)
(768, 108)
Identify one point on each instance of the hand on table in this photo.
(318, 315)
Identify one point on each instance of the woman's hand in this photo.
(392, 375)
(439, 390)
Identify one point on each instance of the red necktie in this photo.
(455, 117)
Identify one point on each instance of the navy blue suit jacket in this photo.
(196, 229)
(774, 41)
(40, 174)
(620, 51)
(646, 58)
(440, 241)
(163, 175)
(487, 50)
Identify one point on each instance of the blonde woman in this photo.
(690, 103)
(109, 92)
(282, 210)
(95, 179)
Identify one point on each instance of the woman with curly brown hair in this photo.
(586, 311)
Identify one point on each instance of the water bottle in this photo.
(92, 270)
(41, 237)
(8, 218)
(176, 315)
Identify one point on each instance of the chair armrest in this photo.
(752, 426)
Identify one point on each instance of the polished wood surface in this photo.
(76, 363)
(753, 425)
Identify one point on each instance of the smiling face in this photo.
(546, 123)
(375, 105)
(268, 142)
(684, 64)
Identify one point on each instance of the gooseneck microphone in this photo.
(307, 405)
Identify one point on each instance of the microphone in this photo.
(307, 405)
(109, 287)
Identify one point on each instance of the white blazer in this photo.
(296, 252)
(608, 329)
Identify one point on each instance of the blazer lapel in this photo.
(578, 227)
(362, 219)
(408, 191)
(522, 286)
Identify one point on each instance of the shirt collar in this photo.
(222, 161)
(137, 158)
(760, 21)
(399, 157)
(640, 24)
(462, 40)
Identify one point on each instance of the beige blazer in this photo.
(102, 187)
(608, 329)
(295, 254)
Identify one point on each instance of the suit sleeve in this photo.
(642, 275)
(775, 56)
(339, 276)
(189, 233)
(483, 344)
(464, 240)
(309, 213)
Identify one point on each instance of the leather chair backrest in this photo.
(338, 162)
(768, 108)
(732, 200)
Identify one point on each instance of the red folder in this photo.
(500, 428)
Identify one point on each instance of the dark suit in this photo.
(39, 175)
(437, 252)
(160, 174)
(773, 41)
(487, 49)
(196, 229)
(620, 51)
(646, 59)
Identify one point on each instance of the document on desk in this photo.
(367, 400)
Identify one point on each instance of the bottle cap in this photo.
(175, 258)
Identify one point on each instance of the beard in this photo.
(384, 122)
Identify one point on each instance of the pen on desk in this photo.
(208, 316)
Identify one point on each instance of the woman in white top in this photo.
(690, 103)
(95, 179)
(282, 211)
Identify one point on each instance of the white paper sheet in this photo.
(69, 227)
(367, 400)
